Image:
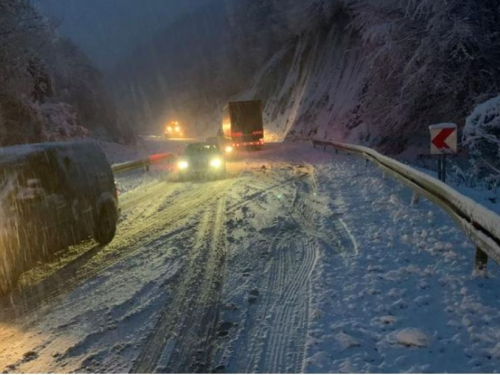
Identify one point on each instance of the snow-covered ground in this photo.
(408, 301)
(298, 261)
(356, 280)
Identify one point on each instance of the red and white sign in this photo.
(443, 139)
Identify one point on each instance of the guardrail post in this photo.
(439, 160)
(481, 260)
(444, 168)
(324, 147)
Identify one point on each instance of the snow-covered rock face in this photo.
(311, 87)
(377, 72)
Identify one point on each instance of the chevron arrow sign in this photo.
(443, 139)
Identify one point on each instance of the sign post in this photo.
(443, 142)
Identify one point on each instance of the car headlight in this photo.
(229, 149)
(183, 164)
(177, 129)
(215, 163)
(169, 129)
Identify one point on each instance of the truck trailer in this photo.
(242, 124)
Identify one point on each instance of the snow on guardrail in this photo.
(142, 163)
(480, 224)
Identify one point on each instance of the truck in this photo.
(173, 130)
(242, 124)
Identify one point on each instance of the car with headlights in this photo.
(202, 160)
(52, 196)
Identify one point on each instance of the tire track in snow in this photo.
(130, 200)
(194, 353)
(273, 331)
(133, 210)
(294, 294)
(279, 344)
(277, 331)
(183, 336)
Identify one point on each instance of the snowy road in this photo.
(298, 261)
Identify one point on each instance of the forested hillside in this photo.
(429, 61)
(359, 70)
(49, 90)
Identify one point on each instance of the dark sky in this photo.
(108, 29)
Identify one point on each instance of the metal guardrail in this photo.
(481, 225)
(142, 163)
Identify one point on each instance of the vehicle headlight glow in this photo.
(177, 128)
(215, 163)
(229, 149)
(169, 128)
(183, 164)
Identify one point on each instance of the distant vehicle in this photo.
(52, 196)
(243, 125)
(202, 160)
(173, 130)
